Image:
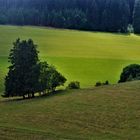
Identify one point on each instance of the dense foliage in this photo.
(131, 72)
(74, 85)
(27, 75)
(101, 15)
(101, 84)
(49, 78)
(136, 22)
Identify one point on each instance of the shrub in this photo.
(98, 84)
(101, 84)
(130, 73)
(106, 83)
(74, 85)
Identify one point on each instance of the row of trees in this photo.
(101, 15)
(27, 75)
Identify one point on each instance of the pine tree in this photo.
(93, 15)
(136, 17)
(23, 74)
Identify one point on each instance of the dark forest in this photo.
(94, 15)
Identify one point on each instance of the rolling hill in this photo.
(104, 113)
(84, 56)
(107, 112)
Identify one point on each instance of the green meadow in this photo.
(79, 55)
(99, 113)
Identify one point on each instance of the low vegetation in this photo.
(74, 85)
(130, 73)
(101, 84)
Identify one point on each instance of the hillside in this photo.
(84, 56)
(109, 112)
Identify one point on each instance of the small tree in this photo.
(55, 79)
(129, 73)
(49, 78)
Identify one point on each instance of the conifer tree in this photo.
(136, 17)
(23, 73)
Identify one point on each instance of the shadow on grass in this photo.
(43, 96)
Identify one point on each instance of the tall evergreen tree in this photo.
(115, 16)
(23, 73)
(136, 17)
(131, 5)
(93, 16)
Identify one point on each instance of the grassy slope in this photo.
(104, 113)
(84, 56)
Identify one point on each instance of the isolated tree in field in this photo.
(131, 72)
(136, 17)
(22, 78)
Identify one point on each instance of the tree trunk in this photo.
(28, 95)
(33, 95)
(23, 96)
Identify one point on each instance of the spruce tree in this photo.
(23, 74)
(136, 17)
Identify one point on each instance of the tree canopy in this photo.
(27, 75)
(130, 73)
(136, 22)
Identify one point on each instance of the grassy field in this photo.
(104, 113)
(84, 56)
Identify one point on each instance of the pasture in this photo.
(107, 112)
(104, 113)
(79, 55)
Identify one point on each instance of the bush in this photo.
(106, 83)
(74, 85)
(130, 73)
(98, 84)
(101, 84)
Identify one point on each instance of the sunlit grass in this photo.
(84, 56)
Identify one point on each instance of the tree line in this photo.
(97, 15)
(27, 75)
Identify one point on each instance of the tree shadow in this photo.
(43, 96)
